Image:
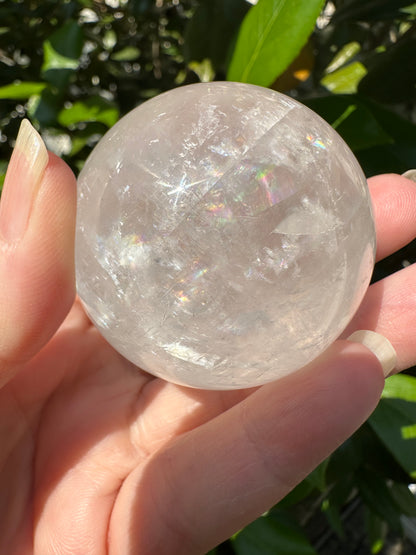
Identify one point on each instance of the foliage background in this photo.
(75, 66)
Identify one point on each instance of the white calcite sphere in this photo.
(224, 237)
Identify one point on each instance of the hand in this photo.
(98, 457)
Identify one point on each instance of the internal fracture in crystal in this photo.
(224, 236)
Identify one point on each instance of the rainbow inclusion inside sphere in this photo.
(224, 235)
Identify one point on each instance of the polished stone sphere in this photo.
(224, 235)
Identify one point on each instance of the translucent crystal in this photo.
(224, 237)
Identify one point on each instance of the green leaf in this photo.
(66, 42)
(400, 386)
(344, 461)
(44, 107)
(346, 79)
(54, 60)
(344, 55)
(95, 108)
(411, 10)
(3, 169)
(318, 476)
(393, 150)
(109, 39)
(203, 69)
(398, 63)
(333, 515)
(88, 136)
(377, 497)
(274, 533)
(61, 52)
(353, 120)
(360, 129)
(404, 498)
(370, 10)
(316, 480)
(21, 90)
(271, 36)
(127, 54)
(342, 491)
(211, 33)
(390, 421)
(376, 531)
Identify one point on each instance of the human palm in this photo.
(98, 457)
(79, 426)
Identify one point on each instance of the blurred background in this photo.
(74, 67)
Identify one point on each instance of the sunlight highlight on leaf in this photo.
(271, 36)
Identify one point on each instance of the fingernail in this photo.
(410, 174)
(24, 174)
(379, 345)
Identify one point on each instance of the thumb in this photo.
(37, 220)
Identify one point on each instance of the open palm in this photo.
(98, 457)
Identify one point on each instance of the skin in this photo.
(98, 457)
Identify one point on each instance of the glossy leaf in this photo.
(346, 79)
(363, 447)
(66, 42)
(343, 56)
(272, 534)
(61, 54)
(394, 420)
(203, 69)
(21, 90)
(55, 60)
(92, 109)
(271, 36)
(400, 386)
(389, 421)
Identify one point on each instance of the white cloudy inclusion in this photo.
(224, 236)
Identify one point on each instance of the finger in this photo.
(389, 308)
(394, 204)
(37, 218)
(77, 317)
(239, 464)
(167, 410)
